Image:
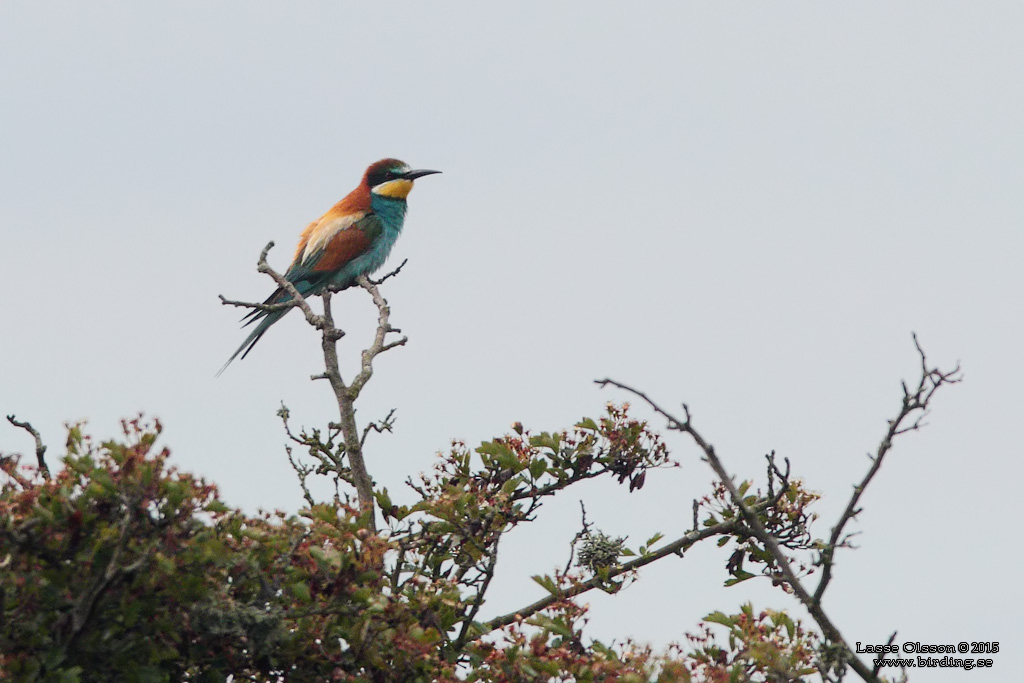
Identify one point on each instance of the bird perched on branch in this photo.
(353, 238)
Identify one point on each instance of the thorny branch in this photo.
(345, 393)
(40, 446)
(913, 402)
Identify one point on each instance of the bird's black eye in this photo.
(383, 176)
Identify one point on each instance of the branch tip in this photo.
(40, 446)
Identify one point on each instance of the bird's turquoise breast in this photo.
(391, 213)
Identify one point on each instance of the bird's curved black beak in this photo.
(419, 173)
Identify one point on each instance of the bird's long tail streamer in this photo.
(254, 336)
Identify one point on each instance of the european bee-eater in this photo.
(353, 238)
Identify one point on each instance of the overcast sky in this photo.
(745, 207)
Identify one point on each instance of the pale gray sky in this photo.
(746, 207)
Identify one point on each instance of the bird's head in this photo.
(392, 178)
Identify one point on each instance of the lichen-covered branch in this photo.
(40, 446)
(345, 393)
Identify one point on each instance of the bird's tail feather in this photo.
(254, 336)
(265, 319)
(279, 296)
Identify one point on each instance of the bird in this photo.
(353, 238)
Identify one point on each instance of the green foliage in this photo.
(123, 568)
(768, 646)
(787, 519)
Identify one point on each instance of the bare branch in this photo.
(296, 300)
(393, 273)
(673, 423)
(676, 547)
(40, 447)
(302, 471)
(265, 308)
(380, 426)
(478, 599)
(72, 623)
(914, 403)
(383, 329)
(345, 394)
(580, 535)
(786, 573)
(881, 655)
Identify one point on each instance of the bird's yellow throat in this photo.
(398, 189)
